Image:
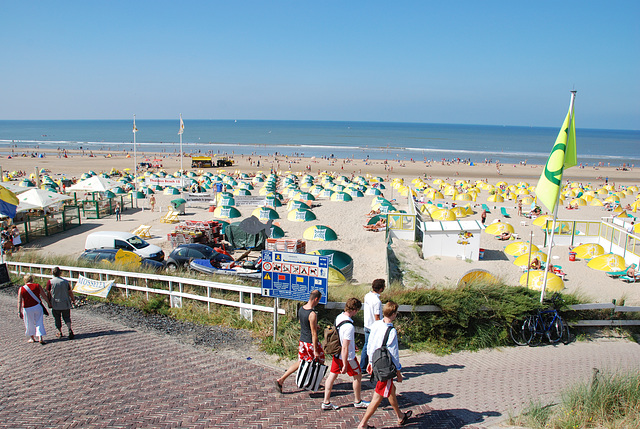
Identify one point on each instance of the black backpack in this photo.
(332, 345)
(383, 368)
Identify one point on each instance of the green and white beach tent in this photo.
(265, 213)
(294, 204)
(301, 215)
(320, 233)
(226, 212)
(341, 196)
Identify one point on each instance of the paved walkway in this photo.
(114, 376)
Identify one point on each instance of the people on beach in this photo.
(30, 309)
(118, 212)
(483, 216)
(152, 202)
(61, 297)
(504, 236)
(309, 348)
(535, 264)
(385, 389)
(346, 362)
(372, 310)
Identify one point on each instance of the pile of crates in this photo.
(195, 231)
(290, 245)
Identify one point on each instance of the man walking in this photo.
(385, 389)
(61, 297)
(309, 348)
(372, 311)
(346, 362)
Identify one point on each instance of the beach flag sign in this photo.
(8, 202)
(563, 155)
(181, 125)
(135, 129)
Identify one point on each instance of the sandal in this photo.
(59, 335)
(278, 386)
(405, 418)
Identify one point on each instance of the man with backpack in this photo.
(378, 364)
(346, 361)
(372, 310)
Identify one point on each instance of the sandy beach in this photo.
(347, 218)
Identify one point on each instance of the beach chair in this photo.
(486, 208)
(504, 212)
(170, 217)
(629, 279)
(143, 231)
(620, 273)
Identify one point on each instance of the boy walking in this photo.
(372, 310)
(346, 362)
(385, 389)
(309, 348)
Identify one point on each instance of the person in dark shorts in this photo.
(61, 297)
(309, 348)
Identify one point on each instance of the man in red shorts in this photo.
(385, 389)
(346, 362)
(309, 348)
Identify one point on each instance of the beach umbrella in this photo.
(589, 250)
(519, 248)
(542, 220)
(227, 201)
(612, 199)
(265, 213)
(527, 200)
(464, 197)
(94, 184)
(326, 193)
(319, 233)
(272, 202)
(373, 191)
(304, 196)
(338, 188)
(226, 212)
(138, 195)
(477, 276)
(294, 204)
(578, 202)
(241, 192)
(26, 183)
(8, 202)
(495, 198)
(171, 191)
(276, 232)
(245, 185)
(554, 283)
(460, 212)
(316, 189)
(498, 228)
(301, 215)
(147, 190)
(523, 260)
(608, 262)
(384, 208)
(356, 193)
(443, 214)
(341, 196)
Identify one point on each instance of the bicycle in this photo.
(549, 323)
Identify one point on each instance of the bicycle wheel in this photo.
(520, 331)
(566, 334)
(537, 330)
(555, 330)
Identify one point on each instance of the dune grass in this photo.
(609, 400)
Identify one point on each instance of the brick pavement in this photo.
(114, 376)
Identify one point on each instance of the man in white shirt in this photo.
(372, 311)
(346, 362)
(385, 389)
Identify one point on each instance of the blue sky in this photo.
(500, 63)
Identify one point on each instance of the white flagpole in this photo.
(181, 166)
(135, 154)
(555, 215)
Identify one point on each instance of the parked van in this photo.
(123, 240)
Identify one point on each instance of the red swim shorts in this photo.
(353, 368)
(383, 388)
(305, 352)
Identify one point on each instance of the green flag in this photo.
(563, 155)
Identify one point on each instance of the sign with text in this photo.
(294, 275)
(89, 286)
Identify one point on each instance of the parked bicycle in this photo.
(544, 324)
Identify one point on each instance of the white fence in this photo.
(175, 286)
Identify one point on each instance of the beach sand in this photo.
(347, 218)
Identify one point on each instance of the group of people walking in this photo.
(58, 296)
(378, 318)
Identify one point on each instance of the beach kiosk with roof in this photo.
(457, 239)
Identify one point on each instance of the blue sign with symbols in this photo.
(294, 275)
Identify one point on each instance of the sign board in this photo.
(208, 198)
(4, 274)
(89, 286)
(294, 275)
(248, 200)
(168, 181)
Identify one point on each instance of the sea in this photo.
(321, 139)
